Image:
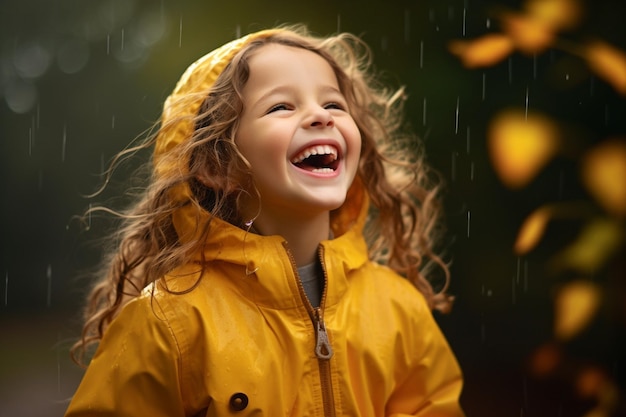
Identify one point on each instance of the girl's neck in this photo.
(303, 235)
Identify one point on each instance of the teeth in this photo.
(315, 150)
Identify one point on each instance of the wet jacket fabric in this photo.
(232, 333)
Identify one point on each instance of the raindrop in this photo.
(73, 56)
(238, 31)
(113, 121)
(488, 24)
(467, 140)
(63, 143)
(526, 105)
(122, 41)
(484, 85)
(20, 96)
(469, 217)
(31, 60)
(431, 14)
(472, 171)
(49, 279)
(456, 117)
(180, 32)
(424, 112)
(108, 44)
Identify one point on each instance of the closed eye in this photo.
(278, 107)
(334, 105)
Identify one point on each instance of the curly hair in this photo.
(403, 227)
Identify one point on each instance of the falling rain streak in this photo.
(424, 112)
(122, 41)
(456, 117)
(526, 105)
(180, 32)
(64, 143)
(49, 282)
(421, 54)
(469, 217)
(484, 85)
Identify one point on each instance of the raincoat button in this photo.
(238, 401)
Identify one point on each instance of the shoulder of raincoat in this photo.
(233, 333)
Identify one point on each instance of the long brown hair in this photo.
(404, 223)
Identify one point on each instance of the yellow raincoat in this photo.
(246, 341)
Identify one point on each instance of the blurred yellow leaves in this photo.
(595, 244)
(604, 174)
(527, 33)
(607, 62)
(575, 305)
(530, 32)
(532, 230)
(535, 30)
(558, 14)
(483, 52)
(520, 145)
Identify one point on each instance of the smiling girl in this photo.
(275, 265)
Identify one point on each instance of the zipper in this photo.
(323, 348)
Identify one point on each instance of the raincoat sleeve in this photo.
(136, 369)
(434, 382)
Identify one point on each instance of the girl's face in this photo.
(296, 132)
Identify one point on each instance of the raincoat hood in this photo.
(177, 126)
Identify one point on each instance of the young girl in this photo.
(242, 283)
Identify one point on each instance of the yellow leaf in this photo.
(591, 249)
(532, 230)
(530, 35)
(520, 145)
(558, 14)
(607, 62)
(604, 174)
(482, 52)
(575, 305)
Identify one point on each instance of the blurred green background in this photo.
(80, 79)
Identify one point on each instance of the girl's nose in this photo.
(320, 118)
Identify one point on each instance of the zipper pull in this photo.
(323, 350)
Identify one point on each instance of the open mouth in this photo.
(318, 158)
